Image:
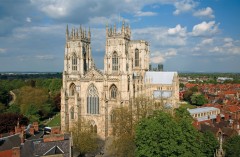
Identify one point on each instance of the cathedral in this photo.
(92, 94)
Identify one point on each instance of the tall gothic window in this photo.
(114, 62)
(72, 113)
(72, 89)
(92, 100)
(84, 59)
(136, 57)
(74, 62)
(113, 92)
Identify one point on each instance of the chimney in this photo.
(226, 116)
(218, 118)
(16, 152)
(55, 130)
(53, 137)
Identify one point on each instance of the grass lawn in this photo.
(55, 121)
(187, 105)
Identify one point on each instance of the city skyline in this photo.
(184, 35)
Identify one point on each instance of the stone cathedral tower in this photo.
(92, 94)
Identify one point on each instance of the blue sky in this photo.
(184, 35)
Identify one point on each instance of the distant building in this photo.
(204, 113)
(222, 79)
(92, 94)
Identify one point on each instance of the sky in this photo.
(184, 35)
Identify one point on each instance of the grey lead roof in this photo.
(159, 77)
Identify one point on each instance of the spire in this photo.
(106, 29)
(89, 33)
(80, 31)
(115, 29)
(67, 33)
(77, 33)
(74, 35)
(123, 27)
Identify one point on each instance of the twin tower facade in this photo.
(92, 94)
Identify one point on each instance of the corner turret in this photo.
(112, 31)
(67, 33)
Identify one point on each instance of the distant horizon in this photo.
(34, 72)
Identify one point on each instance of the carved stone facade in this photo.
(92, 94)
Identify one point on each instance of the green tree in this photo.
(198, 99)
(232, 146)
(84, 139)
(194, 89)
(34, 102)
(191, 137)
(187, 95)
(158, 135)
(2, 107)
(181, 86)
(165, 135)
(209, 144)
(5, 97)
(123, 140)
(13, 108)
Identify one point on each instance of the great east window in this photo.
(92, 100)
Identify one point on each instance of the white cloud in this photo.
(147, 13)
(206, 12)
(207, 41)
(53, 8)
(228, 40)
(2, 50)
(28, 19)
(184, 6)
(160, 57)
(216, 49)
(157, 59)
(178, 30)
(205, 29)
(235, 50)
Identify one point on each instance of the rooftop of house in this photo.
(202, 110)
(9, 142)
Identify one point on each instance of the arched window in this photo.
(72, 113)
(84, 59)
(72, 89)
(114, 62)
(136, 57)
(74, 62)
(92, 100)
(93, 128)
(113, 92)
